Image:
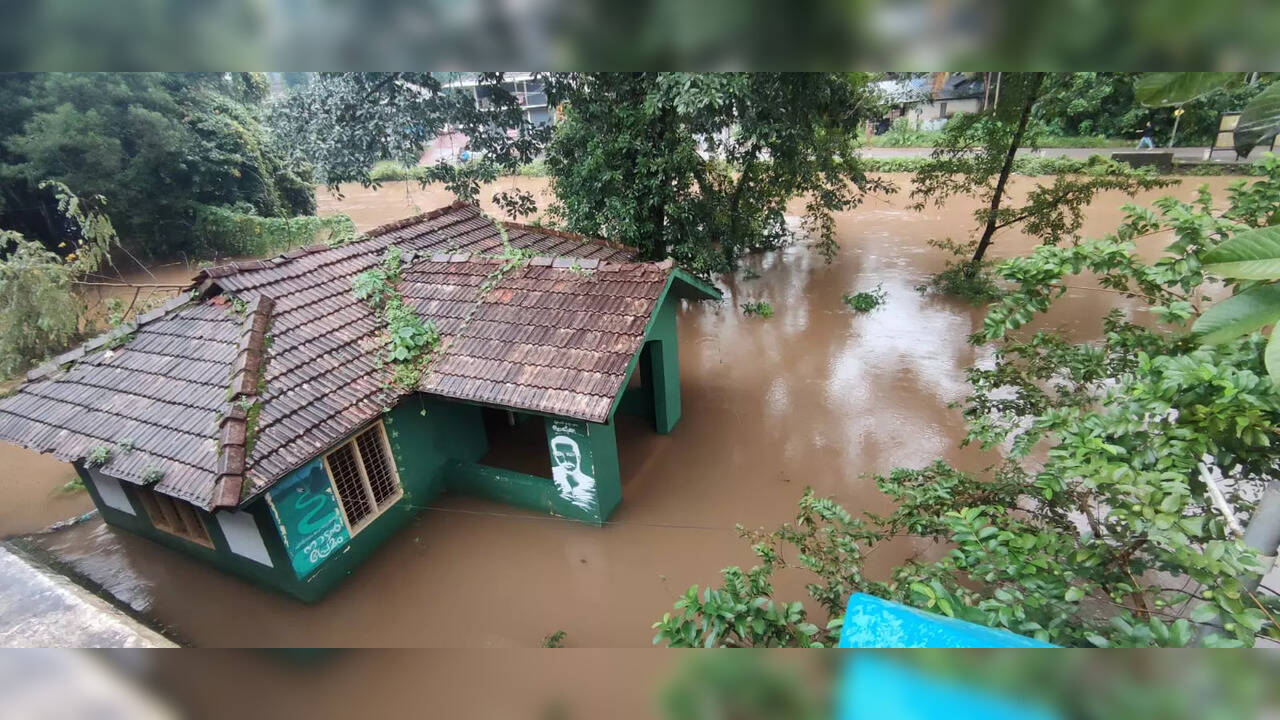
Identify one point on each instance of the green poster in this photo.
(571, 466)
(308, 516)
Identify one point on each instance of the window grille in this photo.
(174, 516)
(364, 477)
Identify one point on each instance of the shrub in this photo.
(866, 300)
(758, 308)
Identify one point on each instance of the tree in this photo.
(1099, 527)
(344, 123)
(160, 147)
(975, 157)
(701, 165)
(697, 166)
(39, 312)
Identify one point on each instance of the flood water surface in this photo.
(816, 396)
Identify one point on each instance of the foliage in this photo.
(976, 156)
(554, 640)
(701, 166)
(901, 134)
(865, 300)
(74, 485)
(1259, 121)
(98, 456)
(1096, 528)
(39, 312)
(152, 476)
(240, 231)
(744, 686)
(160, 147)
(757, 308)
(1251, 261)
(410, 340)
(347, 123)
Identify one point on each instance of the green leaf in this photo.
(1074, 593)
(1239, 314)
(1272, 357)
(1161, 89)
(1204, 612)
(1259, 121)
(1250, 255)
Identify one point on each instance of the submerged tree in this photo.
(40, 314)
(701, 166)
(975, 157)
(697, 166)
(344, 123)
(1130, 464)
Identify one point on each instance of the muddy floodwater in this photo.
(815, 396)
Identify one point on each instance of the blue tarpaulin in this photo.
(874, 687)
(871, 622)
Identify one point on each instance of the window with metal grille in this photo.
(364, 476)
(174, 516)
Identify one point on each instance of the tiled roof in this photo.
(176, 397)
(552, 336)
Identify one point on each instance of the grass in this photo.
(388, 171)
(758, 308)
(903, 137)
(866, 300)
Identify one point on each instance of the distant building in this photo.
(529, 92)
(929, 100)
(251, 422)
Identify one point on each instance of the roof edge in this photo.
(512, 225)
(232, 268)
(124, 330)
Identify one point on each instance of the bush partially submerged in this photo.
(866, 300)
(759, 308)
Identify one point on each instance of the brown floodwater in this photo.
(815, 396)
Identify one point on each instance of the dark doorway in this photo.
(517, 441)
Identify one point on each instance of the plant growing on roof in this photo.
(410, 339)
(152, 476)
(98, 456)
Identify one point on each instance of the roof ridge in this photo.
(511, 224)
(236, 425)
(559, 262)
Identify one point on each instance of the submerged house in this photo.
(250, 422)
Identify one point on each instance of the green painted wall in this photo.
(421, 445)
(540, 493)
(437, 446)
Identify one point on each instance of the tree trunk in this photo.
(1029, 101)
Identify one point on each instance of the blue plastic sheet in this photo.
(871, 622)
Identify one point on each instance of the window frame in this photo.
(171, 518)
(376, 510)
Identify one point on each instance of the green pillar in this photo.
(664, 368)
(584, 468)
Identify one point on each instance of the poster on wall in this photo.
(307, 513)
(572, 469)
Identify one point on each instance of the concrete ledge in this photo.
(39, 608)
(1160, 159)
